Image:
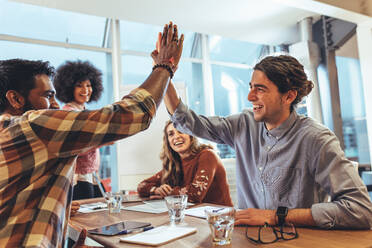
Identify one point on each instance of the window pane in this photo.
(352, 109)
(37, 22)
(229, 50)
(142, 37)
(190, 74)
(137, 68)
(231, 88)
(56, 56)
(232, 85)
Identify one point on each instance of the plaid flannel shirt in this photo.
(37, 163)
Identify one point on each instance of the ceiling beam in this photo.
(325, 7)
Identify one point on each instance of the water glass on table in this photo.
(114, 201)
(221, 223)
(176, 205)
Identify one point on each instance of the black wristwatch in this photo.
(281, 212)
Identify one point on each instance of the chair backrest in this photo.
(229, 164)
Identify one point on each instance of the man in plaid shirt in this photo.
(39, 143)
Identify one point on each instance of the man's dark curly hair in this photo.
(19, 75)
(287, 74)
(73, 72)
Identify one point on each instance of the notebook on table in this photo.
(159, 235)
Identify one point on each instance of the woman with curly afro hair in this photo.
(77, 83)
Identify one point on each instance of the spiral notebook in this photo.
(159, 235)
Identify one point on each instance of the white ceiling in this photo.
(260, 21)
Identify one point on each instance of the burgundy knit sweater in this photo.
(204, 179)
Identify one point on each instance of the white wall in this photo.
(138, 156)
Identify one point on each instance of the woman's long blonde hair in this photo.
(172, 163)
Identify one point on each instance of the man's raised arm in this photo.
(166, 58)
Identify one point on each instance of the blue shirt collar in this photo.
(280, 131)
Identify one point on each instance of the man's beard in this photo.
(28, 106)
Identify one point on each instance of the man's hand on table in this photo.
(255, 217)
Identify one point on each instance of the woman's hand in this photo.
(183, 191)
(163, 190)
(74, 208)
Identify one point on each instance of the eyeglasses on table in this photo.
(268, 234)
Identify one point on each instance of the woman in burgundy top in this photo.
(76, 84)
(188, 168)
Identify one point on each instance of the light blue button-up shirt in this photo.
(293, 165)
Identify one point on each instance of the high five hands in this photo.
(168, 47)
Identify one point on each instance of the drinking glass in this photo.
(113, 202)
(221, 223)
(176, 205)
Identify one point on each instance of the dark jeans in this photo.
(85, 190)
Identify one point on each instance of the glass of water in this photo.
(221, 223)
(113, 202)
(176, 205)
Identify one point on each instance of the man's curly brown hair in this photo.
(287, 74)
(73, 72)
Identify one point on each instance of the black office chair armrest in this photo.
(369, 188)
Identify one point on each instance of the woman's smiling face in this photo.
(178, 141)
(83, 91)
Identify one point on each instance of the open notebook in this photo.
(159, 235)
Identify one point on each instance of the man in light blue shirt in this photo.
(284, 160)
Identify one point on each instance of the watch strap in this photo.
(281, 213)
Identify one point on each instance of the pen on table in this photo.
(217, 210)
(96, 208)
(137, 230)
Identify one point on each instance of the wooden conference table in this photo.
(308, 237)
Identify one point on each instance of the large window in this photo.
(228, 50)
(138, 41)
(352, 109)
(35, 22)
(142, 37)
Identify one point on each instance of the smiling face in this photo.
(178, 141)
(82, 92)
(42, 96)
(269, 105)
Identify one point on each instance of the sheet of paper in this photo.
(92, 207)
(159, 235)
(199, 211)
(152, 206)
(161, 203)
(147, 208)
(157, 204)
